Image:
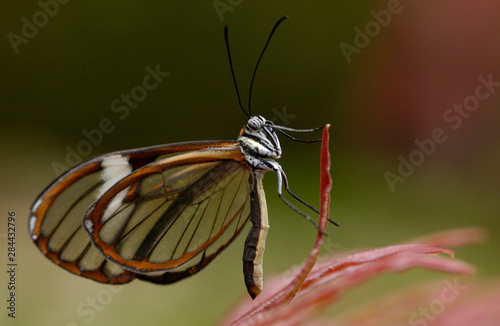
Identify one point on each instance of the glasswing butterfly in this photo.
(162, 213)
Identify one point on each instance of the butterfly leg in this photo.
(282, 180)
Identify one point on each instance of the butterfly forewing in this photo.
(56, 218)
(173, 215)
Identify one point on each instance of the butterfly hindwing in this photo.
(170, 218)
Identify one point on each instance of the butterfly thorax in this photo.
(259, 143)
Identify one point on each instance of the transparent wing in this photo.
(171, 218)
(56, 217)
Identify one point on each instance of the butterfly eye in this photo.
(256, 123)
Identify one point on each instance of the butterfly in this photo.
(163, 213)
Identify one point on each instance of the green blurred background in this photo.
(395, 90)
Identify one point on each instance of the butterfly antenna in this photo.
(258, 61)
(232, 72)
